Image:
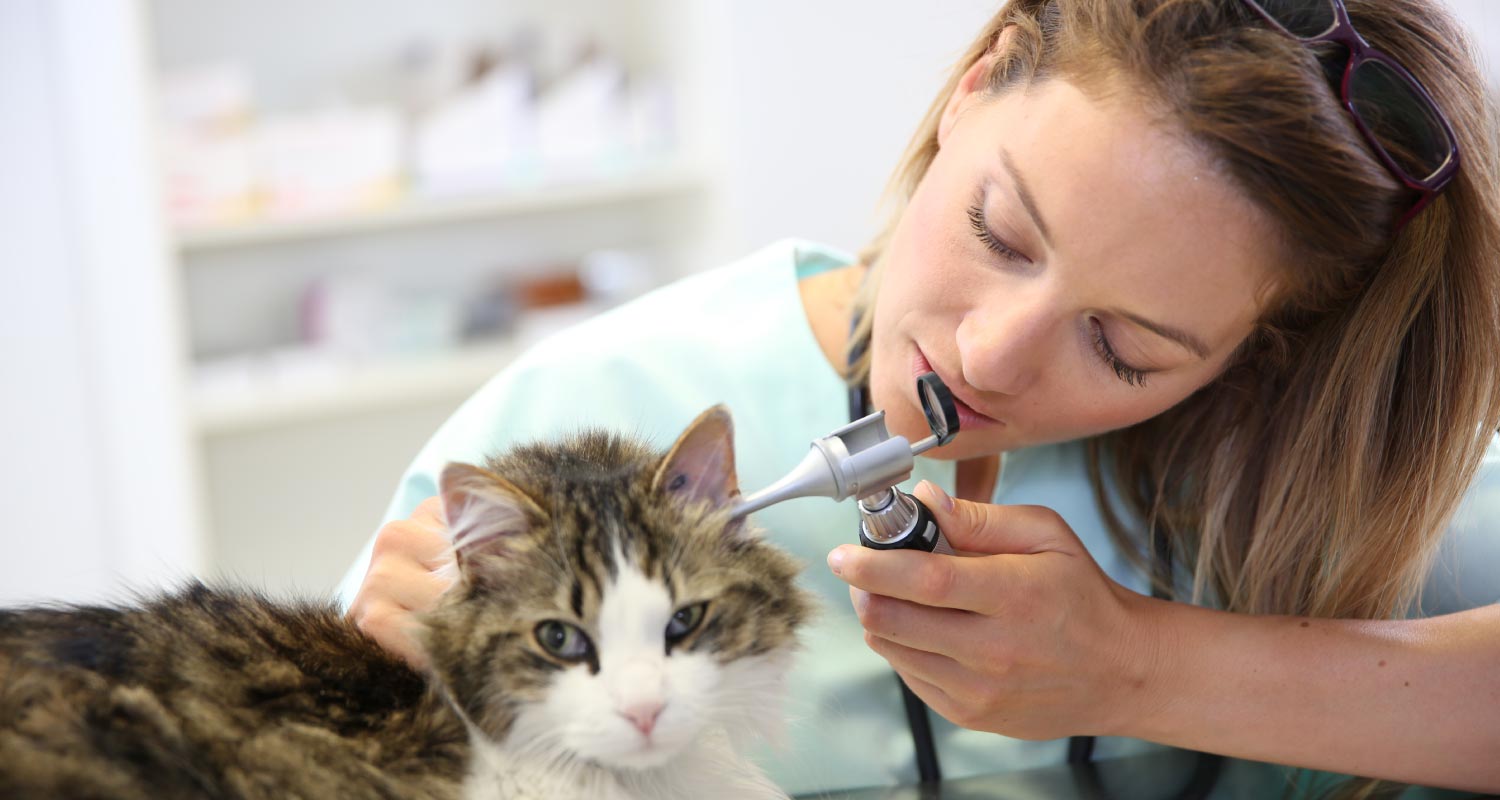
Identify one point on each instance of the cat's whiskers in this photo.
(592, 535)
(620, 546)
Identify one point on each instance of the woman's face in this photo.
(1067, 266)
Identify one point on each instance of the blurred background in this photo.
(255, 251)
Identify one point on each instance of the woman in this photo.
(1191, 304)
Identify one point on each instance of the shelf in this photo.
(626, 186)
(256, 394)
(271, 403)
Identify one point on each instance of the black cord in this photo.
(1080, 749)
(1206, 766)
(918, 719)
(1205, 776)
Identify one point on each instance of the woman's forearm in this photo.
(1416, 701)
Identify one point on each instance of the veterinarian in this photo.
(1216, 285)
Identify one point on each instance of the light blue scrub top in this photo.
(738, 335)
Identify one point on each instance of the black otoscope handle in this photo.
(923, 533)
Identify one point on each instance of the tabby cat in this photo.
(612, 633)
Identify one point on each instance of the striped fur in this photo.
(604, 534)
(223, 693)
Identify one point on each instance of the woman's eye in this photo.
(1125, 372)
(564, 640)
(685, 621)
(994, 245)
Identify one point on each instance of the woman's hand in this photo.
(409, 570)
(1023, 634)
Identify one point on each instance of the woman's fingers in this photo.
(407, 575)
(423, 537)
(955, 582)
(394, 628)
(934, 630)
(1008, 541)
(405, 582)
(938, 700)
(983, 528)
(1024, 636)
(941, 682)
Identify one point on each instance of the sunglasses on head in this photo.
(1392, 110)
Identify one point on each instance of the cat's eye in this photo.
(685, 621)
(564, 640)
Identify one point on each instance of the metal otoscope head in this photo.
(862, 458)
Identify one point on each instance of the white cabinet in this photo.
(790, 116)
(302, 418)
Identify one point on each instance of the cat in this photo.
(611, 633)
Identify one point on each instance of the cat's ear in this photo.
(700, 465)
(486, 513)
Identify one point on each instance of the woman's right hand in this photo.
(411, 567)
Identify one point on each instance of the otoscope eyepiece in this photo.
(938, 407)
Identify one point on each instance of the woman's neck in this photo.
(975, 478)
(828, 302)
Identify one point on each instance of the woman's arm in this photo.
(1414, 700)
(1028, 637)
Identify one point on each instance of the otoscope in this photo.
(863, 460)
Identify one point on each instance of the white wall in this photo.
(289, 506)
(803, 108)
(305, 55)
(95, 484)
(822, 97)
(1482, 18)
(815, 103)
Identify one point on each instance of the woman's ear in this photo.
(971, 84)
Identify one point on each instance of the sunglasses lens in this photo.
(1304, 19)
(1401, 119)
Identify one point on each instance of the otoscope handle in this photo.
(921, 533)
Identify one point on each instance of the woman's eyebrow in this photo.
(1191, 342)
(1027, 199)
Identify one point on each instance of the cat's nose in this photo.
(643, 716)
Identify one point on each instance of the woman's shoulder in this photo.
(735, 335)
(748, 304)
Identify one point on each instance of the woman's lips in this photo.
(969, 418)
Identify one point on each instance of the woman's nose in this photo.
(1003, 351)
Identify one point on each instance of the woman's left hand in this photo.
(1023, 634)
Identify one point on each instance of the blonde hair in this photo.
(1317, 473)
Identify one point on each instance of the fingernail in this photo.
(940, 495)
(836, 560)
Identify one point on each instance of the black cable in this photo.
(1206, 766)
(1080, 749)
(928, 770)
(1205, 775)
(918, 719)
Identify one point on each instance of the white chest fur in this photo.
(643, 722)
(710, 768)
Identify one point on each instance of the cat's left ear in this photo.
(700, 465)
(487, 514)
